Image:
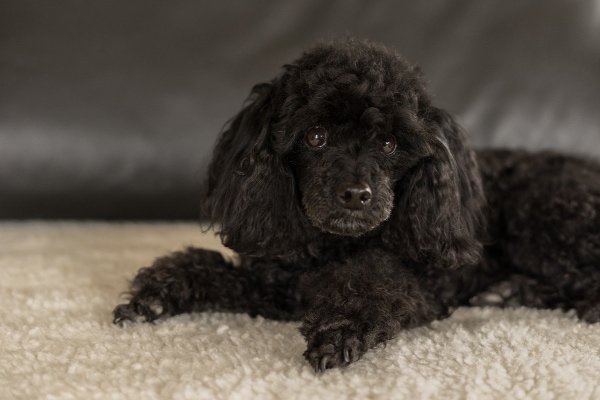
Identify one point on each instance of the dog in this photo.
(359, 208)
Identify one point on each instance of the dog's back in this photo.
(544, 222)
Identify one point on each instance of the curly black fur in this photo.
(360, 242)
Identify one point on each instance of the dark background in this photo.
(109, 109)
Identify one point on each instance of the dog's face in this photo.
(355, 138)
(345, 177)
(345, 139)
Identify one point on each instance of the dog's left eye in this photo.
(389, 145)
(316, 136)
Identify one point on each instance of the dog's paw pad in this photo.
(487, 299)
(503, 294)
(156, 308)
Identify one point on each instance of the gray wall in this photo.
(109, 109)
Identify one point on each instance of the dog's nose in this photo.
(354, 196)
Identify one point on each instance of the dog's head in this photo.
(346, 142)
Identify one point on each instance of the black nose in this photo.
(353, 196)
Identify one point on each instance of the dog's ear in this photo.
(251, 197)
(438, 218)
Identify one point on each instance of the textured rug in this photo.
(60, 281)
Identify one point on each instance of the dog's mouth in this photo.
(354, 224)
(344, 222)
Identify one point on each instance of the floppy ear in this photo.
(251, 194)
(438, 217)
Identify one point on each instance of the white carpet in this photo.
(59, 283)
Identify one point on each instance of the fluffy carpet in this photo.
(60, 281)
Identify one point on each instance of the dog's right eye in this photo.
(316, 136)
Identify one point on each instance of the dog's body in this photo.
(359, 208)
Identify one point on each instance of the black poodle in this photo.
(359, 208)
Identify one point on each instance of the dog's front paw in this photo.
(334, 346)
(138, 311)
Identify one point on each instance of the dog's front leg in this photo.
(197, 280)
(357, 304)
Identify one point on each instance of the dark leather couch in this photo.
(109, 109)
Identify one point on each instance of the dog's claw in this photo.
(124, 313)
(347, 355)
(323, 364)
(121, 321)
(147, 311)
(120, 313)
(334, 348)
